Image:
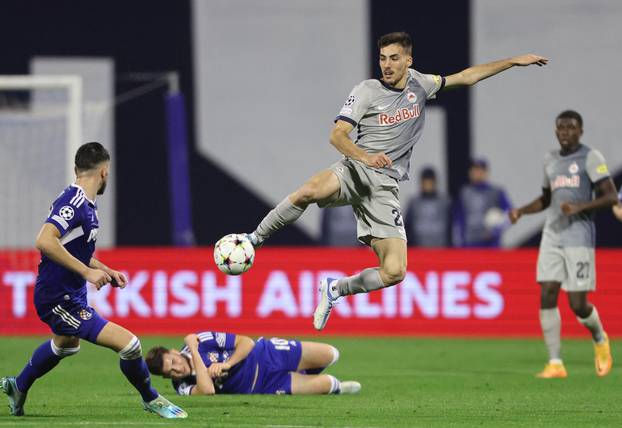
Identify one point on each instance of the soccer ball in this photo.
(234, 254)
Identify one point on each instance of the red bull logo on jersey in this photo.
(401, 115)
(573, 181)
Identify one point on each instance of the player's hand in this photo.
(568, 208)
(514, 215)
(192, 340)
(378, 160)
(218, 369)
(97, 277)
(118, 279)
(529, 59)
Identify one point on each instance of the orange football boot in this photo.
(553, 371)
(602, 357)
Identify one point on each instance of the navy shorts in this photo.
(280, 358)
(71, 318)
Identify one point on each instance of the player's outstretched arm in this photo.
(205, 385)
(48, 242)
(476, 73)
(537, 205)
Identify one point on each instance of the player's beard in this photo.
(102, 188)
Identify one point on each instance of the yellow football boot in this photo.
(553, 371)
(602, 357)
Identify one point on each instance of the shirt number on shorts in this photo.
(398, 217)
(583, 270)
(280, 344)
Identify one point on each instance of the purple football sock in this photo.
(137, 373)
(42, 361)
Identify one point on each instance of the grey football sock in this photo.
(593, 324)
(365, 281)
(283, 214)
(551, 324)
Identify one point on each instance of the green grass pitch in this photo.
(407, 382)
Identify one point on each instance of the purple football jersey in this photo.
(75, 217)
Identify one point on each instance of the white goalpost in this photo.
(40, 131)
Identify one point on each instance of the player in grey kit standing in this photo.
(566, 259)
(389, 114)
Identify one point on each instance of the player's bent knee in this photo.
(394, 273)
(307, 194)
(64, 352)
(580, 309)
(335, 356)
(132, 350)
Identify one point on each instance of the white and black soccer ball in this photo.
(234, 254)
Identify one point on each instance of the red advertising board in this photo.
(446, 292)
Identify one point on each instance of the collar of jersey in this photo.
(392, 88)
(579, 146)
(80, 187)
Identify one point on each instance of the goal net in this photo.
(40, 131)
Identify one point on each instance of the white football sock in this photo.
(551, 324)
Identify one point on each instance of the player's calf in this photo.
(135, 370)
(43, 359)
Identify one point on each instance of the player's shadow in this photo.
(249, 404)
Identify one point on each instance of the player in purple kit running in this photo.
(67, 243)
(224, 363)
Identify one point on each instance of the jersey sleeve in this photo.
(431, 83)
(65, 214)
(596, 166)
(183, 388)
(356, 105)
(217, 340)
(545, 178)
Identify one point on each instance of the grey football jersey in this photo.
(390, 120)
(571, 179)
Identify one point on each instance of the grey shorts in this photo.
(573, 267)
(374, 197)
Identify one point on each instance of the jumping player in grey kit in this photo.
(389, 114)
(566, 258)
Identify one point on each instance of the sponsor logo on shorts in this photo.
(85, 314)
(573, 181)
(401, 115)
(573, 168)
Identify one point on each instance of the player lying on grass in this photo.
(224, 363)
